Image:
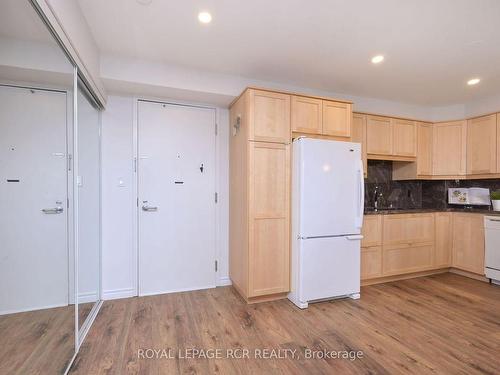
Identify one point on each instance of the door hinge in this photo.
(216, 128)
(135, 165)
(216, 266)
(216, 197)
(67, 203)
(137, 202)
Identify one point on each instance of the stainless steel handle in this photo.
(493, 219)
(149, 208)
(53, 211)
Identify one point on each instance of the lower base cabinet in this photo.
(468, 242)
(407, 259)
(371, 262)
(398, 244)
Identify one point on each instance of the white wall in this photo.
(119, 261)
(118, 206)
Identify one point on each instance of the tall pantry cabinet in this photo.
(259, 203)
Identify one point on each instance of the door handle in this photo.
(53, 211)
(149, 208)
(356, 237)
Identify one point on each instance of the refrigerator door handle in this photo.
(361, 191)
(356, 237)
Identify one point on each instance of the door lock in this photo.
(201, 168)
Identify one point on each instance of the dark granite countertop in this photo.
(383, 211)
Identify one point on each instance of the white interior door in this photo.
(33, 177)
(176, 205)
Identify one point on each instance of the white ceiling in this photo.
(431, 47)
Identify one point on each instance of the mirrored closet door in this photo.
(50, 286)
(88, 186)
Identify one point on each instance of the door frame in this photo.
(219, 281)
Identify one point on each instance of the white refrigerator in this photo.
(327, 216)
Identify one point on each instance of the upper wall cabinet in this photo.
(307, 115)
(321, 117)
(358, 134)
(337, 118)
(391, 139)
(449, 149)
(405, 137)
(424, 149)
(482, 145)
(378, 136)
(269, 116)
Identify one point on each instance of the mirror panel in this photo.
(37, 262)
(89, 209)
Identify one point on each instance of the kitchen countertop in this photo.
(385, 211)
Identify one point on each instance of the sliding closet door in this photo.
(37, 262)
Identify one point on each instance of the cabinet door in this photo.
(449, 148)
(372, 231)
(408, 229)
(269, 116)
(371, 262)
(337, 118)
(424, 149)
(269, 194)
(406, 259)
(468, 242)
(307, 115)
(404, 138)
(378, 135)
(444, 239)
(359, 136)
(482, 145)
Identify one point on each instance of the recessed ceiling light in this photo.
(204, 17)
(473, 81)
(377, 59)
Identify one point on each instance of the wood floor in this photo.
(37, 342)
(443, 324)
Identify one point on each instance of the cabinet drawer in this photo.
(372, 231)
(407, 259)
(371, 262)
(408, 229)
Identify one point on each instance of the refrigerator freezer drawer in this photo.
(329, 267)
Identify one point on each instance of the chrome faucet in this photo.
(375, 198)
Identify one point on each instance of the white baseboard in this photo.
(31, 308)
(88, 297)
(224, 281)
(118, 293)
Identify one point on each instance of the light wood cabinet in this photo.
(379, 135)
(482, 145)
(307, 115)
(371, 262)
(444, 239)
(424, 149)
(259, 196)
(321, 117)
(408, 229)
(269, 198)
(269, 116)
(449, 149)
(404, 137)
(371, 249)
(359, 135)
(337, 118)
(407, 259)
(468, 242)
(372, 231)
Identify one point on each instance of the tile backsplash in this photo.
(415, 193)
